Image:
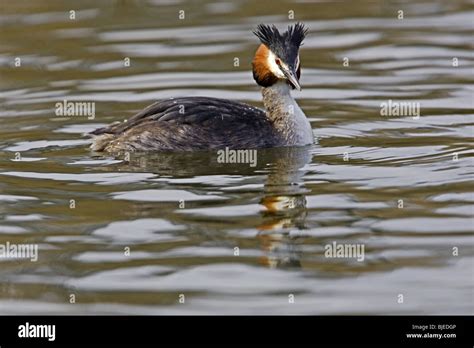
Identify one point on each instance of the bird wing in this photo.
(188, 110)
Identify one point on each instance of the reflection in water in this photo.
(283, 201)
(285, 208)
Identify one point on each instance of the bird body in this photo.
(203, 123)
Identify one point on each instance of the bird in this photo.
(205, 123)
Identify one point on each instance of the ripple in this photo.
(164, 196)
(228, 211)
(454, 197)
(15, 198)
(425, 225)
(160, 50)
(40, 144)
(30, 217)
(141, 230)
(99, 178)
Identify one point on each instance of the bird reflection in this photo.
(284, 211)
(283, 203)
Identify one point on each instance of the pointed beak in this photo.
(290, 74)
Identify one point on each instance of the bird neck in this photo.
(286, 115)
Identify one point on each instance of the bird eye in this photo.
(277, 61)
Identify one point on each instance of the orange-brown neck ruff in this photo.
(261, 71)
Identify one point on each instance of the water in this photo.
(399, 186)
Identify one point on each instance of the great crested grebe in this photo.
(200, 123)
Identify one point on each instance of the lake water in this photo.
(231, 238)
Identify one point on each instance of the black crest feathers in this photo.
(284, 45)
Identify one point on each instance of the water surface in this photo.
(400, 186)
